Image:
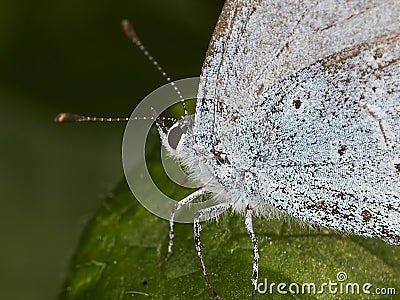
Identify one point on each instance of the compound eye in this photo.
(221, 157)
(174, 135)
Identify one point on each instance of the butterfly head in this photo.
(177, 137)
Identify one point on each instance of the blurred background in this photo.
(73, 56)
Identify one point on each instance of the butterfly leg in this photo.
(249, 227)
(192, 197)
(212, 211)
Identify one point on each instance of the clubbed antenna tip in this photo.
(68, 117)
(129, 31)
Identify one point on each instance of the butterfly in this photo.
(298, 114)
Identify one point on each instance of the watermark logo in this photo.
(339, 286)
(133, 153)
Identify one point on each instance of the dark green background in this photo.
(72, 56)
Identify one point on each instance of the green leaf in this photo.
(120, 247)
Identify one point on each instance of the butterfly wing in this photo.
(260, 42)
(304, 96)
(331, 151)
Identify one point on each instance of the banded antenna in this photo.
(133, 37)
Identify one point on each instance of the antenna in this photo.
(70, 117)
(131, 35)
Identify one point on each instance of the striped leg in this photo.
(192, 197)
(249, 227)
(207, 213)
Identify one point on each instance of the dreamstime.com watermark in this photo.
(340, 286)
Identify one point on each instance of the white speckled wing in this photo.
(299, 109)
(331, 148)
(260, 42)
